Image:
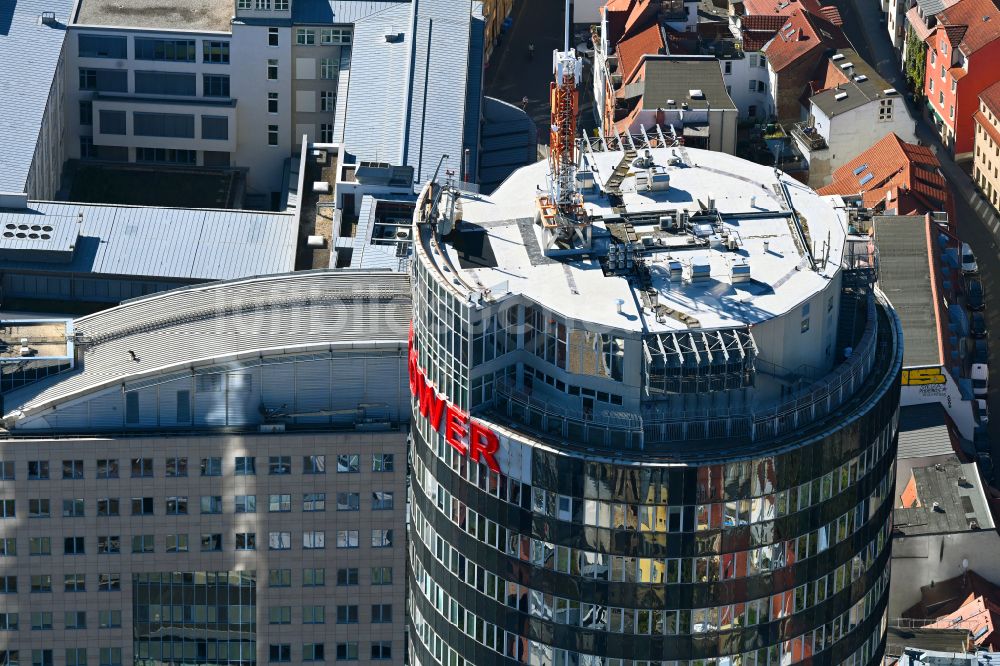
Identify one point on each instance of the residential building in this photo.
(967, 601)
(986, 164)
(894, 177)
(218, 478)
(794, 55)
(921, 18)
(31, 48)
(591, 434)
(682, 95)
(747, 77)
(200, 84)
(851, 108)
(642, 83)
(962, 51)
(943, 528)
(918, 657)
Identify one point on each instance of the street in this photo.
(977, 223)
(514, 74)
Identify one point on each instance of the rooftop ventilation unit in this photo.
(837, 57)
(48, 18)
(696, 94)
(889, 91)
(847, 65)
(700, 270)
(741, 271)
(840, 96)
(861, 78)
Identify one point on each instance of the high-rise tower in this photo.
(672, 446)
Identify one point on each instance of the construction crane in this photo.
(564, 222)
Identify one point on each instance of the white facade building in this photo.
(747, 83)
(213, 85)
(848, 118)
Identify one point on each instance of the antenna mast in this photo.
(564, 222)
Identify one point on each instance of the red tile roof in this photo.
(779, 7)
(758, 29)
(968, 601)
(981, 20)
(905, 177)
(642, 14)
(831, 14)
(991, 98)
(618, 13)
(632, 49)
(803, 33)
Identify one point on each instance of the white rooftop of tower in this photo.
(753, 225)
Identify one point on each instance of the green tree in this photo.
(916, 63)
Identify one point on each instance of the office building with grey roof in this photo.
(218, 477)
(237, 85)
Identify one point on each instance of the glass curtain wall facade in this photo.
(545, 552)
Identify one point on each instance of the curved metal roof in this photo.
(207, 324)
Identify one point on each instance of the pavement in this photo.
(978, 224)
(513, 74)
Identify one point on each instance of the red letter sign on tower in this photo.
(465, 435)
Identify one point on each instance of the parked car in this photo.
(969, 264)
(980, 379)
(981, 352)
(974, 298)
(977, 327)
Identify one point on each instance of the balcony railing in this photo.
(624, 430)
(808, 136)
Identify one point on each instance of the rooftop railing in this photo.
(809, 136)
(625, 430)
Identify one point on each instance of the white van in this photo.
(980, 379)
(969, 264)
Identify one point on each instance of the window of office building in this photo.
(272, 69)
(218, 604)
(171, 50)
(336, 36)
(245, 504)
(39, 508)
(327, 101)
(215, 52)
(347, 651)
(279, 578)
(142, 506)
(347, 577)
(347, 538)
(381, 575)
(38, 470)
(279, 465)
(314, 502)
(104, 80)
(108, 506)
(381, 651)
(272, 102)
(7, 471)
(8, 585)
(279, 615)
(214, 85)
(177, 467)
(381, 613)
(112, 122)
(382, 462)
(313, 577)
(102, 46)
(313, 540)
(177, 505)
(313, 652)
(41, 583)
(328, 68)
(142, 467)
(109, 619)
(313, 615)
(243, 465)
(107, 469)
(382, 500)
(348, 463)
(39, 546)
(326, 133)
(272, 37)
(272, 135)
(75, 619)
(211, 466)
(8, 508)
(279, 540)
(177, 543)
(381, 538)
(348, 501)
(166, 83)
(143, 543)
(72, 469)
(211, 503)
(246, 541)
(279, 503)
(166, 155)
(74, 582)
(314, 464)
(110, 656)
(347, 614)
(305, 36)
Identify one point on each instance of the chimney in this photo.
(800, 35)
